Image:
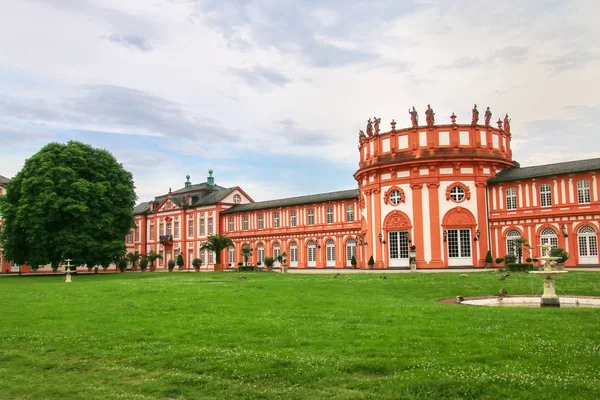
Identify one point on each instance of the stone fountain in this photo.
(549, 298)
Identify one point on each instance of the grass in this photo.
(212, 335)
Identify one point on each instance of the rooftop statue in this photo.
(429, 115)
(376, 122)
(488, 117)
(499, 124)
(475, 117)
(369, 128)
(414, 117)
(507, 124)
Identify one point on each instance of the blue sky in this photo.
(271, 94)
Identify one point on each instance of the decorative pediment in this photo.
(396, 220)
(458, 217)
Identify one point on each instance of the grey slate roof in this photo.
(141, 208)
(538, 171)
(4, 180)
(202, 194)
(295, 201)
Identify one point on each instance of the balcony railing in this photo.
(166, 238)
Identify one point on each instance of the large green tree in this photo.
(69, 201)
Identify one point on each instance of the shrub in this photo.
(180, 262)
(488, 257)
(499, 260)
(144, 264)
(246, 268)
(519, 267)
(529, 259)
(558, 252)
(240, 264)
(269, 261)
(371, 262)
(197, 263)
(353, 262)
(258, 264)
(171, 265)
(122, 264)
(511, 259)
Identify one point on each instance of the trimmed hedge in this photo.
(246, 268)
(516, 267)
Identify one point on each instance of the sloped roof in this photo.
(538, 171)
(4, 180)
(202, 195)
(294, 201)
(141, 208)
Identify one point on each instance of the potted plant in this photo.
(412, 257)
(171, 265)
(489, 261)
(197, 263)
(258, 264)
(217, 243)
(152, 256)
(133, 259)
(144, 264)
(269, 261)
(499, 260)
(284, 263)
(239, 265)
(353, 262)
(180, 262)
(371, 262)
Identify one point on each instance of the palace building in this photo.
(453, 191)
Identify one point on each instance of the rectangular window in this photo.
(511, 199)
(311, 216)
(210, 257)
(459, 243)
(350, 213)
(151, 232)
(137, 233)
(191, 228)
(330, 215)
(260, 221)
(292, 218)
(176, 229)
(162, 229)
(230, 224)
(203, 256)
(202, 228)
(168, 205)
(232, 255)
(169, 231)
(583, 191)
(545, 195)
(245, 222)
(398, 242)
(210, 226)
(275, 220)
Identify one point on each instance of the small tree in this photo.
(558, 252)
(197, 263)
(171, 265)
(152, 256)
(180, 262)
(133, 259)
(246, 253)
(269, 261)
(122, 264)
(217, 243)
(353, 262)
(144, 264)
(371, 262)
(518, 245)
(488, 258)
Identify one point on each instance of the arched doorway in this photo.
(397, 227)
(276, 254)
(511, 248)
(548, 236)
(588, 245)
(350, 251)
(312, 254)
(293, 255)
(330, 247)
(458, 224)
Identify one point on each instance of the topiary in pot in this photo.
(122, 264)
(197, 263)
(353, 262)
(488, 259)
(180, 262)
(171, 265)
(144, 264)
(499, 260)
(269, 261)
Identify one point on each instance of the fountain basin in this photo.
(529, 301)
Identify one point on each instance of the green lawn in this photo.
(212, 335)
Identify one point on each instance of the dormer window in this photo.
(168, 205)
(189, 200)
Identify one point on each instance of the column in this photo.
(418, 223)
(435, 224)
(379, 247)
(482, 222)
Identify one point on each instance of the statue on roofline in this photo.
(429, 116)
(369, 128)
(414, 117)
(488, 117)
(507, 124)
(475, 115)
(376, 122)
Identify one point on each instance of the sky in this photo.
(271, 94)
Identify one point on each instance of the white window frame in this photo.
(276, 220)
(191, 228)
(246, 222)
(395, 197)
(546, 195)
(260, 223)
(330, 253)
(293, 218)
(311, 216)
(583, 192)
(511, 199)
(329, 215)
(311, 254)
(457, 194)
(231, 224)
(350, 213)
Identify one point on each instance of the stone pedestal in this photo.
(549, 298)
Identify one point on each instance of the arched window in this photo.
(350, 251)
(511, 248)
(583, 191)
(548, 236)
(261, 254)
(588, 245)
(312, 254)
(293, 254)
(331, 253)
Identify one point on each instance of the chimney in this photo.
(210, 180)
